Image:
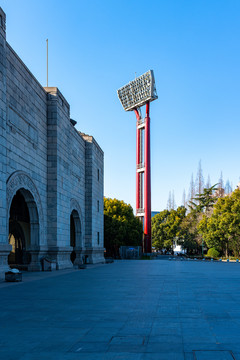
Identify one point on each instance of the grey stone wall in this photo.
(60, 168)
(4, 247)
(26, 127)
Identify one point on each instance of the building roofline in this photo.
(90, 139)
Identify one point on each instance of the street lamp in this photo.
(137, 93)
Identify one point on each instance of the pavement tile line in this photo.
(128, 339)
(213, 355)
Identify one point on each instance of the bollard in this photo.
(220, 260)
(227, 260)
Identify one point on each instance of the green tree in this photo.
(222, 229)
(159, 234)
(166, 227)
(121, 227)
(189, 237)
(203, 202)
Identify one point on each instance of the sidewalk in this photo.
(125, 310)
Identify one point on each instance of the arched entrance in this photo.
(23, 228)
(75, 234)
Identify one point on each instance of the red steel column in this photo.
(137, 162)
(147, 186)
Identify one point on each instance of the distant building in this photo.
(178, 249)
(220, 192)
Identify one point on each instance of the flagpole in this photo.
(47, 62)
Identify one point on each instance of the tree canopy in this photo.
(121, 227)
(222, 229)
(166, 227)
(204, 201)
(189, 237)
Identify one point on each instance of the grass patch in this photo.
(145, 257)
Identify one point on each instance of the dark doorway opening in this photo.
(72, 238)
(19, 232)
(75, 236)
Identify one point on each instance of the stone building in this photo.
(51, 175)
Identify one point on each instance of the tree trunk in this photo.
(226, 252)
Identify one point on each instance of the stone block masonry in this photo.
(51, 175)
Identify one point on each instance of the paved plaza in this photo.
(181, 310)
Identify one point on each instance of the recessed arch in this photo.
(20, 180)
(21, 183)
(76, 232)
(74, 205)
(23, 228)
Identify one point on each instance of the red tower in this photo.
(133, 96)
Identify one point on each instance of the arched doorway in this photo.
(75, 234)
(23, 228)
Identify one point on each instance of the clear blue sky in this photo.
(95, 47)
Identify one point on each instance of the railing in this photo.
(141, 122)
(140, 166)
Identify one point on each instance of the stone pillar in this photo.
(94, 166)
(37, 254)
(62, 256)
(5, 248)
(58, 200)
(80, 255)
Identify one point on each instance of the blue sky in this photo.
(95, 47)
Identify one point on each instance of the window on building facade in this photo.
(98, 238)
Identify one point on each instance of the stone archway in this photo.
(21, 186)
(76, 233)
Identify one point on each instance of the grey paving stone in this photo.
(128, 339)
(189, 347)
(165, 348)
(103, 312)
(213, 355)
(163, 356)
(133, 330)
(68, 356)
(189, 356)
(159, 339)
(237, 355)
(89, 347)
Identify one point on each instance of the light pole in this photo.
(137, 93)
